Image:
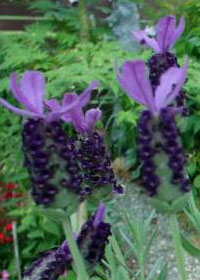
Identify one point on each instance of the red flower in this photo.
(8, 195)
(8, 240)
(2, 237)
(8, 227)
(10, 186)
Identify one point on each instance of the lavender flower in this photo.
(50, 155)
(95, 162)
(159, 145)
(167, 35)
(94, 237)
(91, 241)
(50, 265)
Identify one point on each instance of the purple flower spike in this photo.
(135, 83)
(167, 34)
(30, 93)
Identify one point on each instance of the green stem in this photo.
(84, 23)
(82, 214)
(179, 253)
(77, 257)
(142, 268)
(16, 250)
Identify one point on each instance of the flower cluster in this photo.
(4, 275)
(54, 160)
(91, 241)
(159, 144)
(167, 35)
(8, 191)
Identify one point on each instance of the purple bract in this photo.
(167, 34)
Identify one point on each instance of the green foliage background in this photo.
(53, 46)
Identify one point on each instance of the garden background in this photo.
(72, 44)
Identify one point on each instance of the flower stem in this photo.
(179, 253)
(84, 23)
(77, 257)
(82, 214)
(16, 250)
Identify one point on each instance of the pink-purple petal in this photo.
(135, 82)
(165, 30)
(99, 215)
(69, 98)
(33, 87)
(19, 95)
(17, 110)
(92, 116)
(170, 84)
(143, 38)
(52, 104)
(178, 31)
(85, 96)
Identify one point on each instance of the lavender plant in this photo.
(91, 241)
(167, 35)
(159, 145)
(95, 161)
(50, 155)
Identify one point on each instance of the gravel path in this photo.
(136, 203)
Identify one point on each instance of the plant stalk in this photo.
(82, 214)
(77, 257)
(179, 253)
(84, 23)
(16, 250)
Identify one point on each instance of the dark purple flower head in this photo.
(31, 94)
(91, 241)
(50, 265)
(167, 34)
(94, 237)
(134, 80)
(83, 123)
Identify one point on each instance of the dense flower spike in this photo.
(91, 241)
(94, 159)
(50, 155)
(50, 265)
(51, 159)
(94, 237)
(158, 136)
(167, 34)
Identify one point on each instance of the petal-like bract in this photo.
(135, 83)
(91, 118)
(143, 38)
(170, 85)
(167, 34)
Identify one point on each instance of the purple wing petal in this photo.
(19, 95)
(99, 215)
(143, 38)
(178, 31)
(52, 104)
(171, 82)
(33, 87)
(91, 118)
(69, 98)
(84, 98)
(17, 110)
(165, 30)
(135, 83)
